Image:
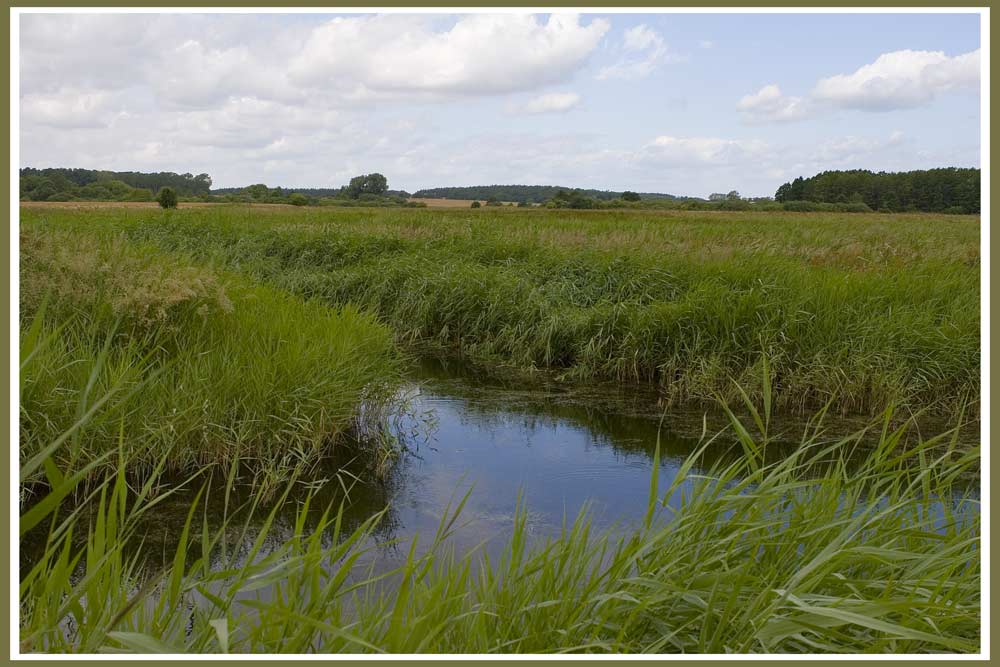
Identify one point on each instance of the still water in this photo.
(559, 447)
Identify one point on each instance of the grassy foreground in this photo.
(183, 365)
(153, 344)
(798, 556)
(861, 310)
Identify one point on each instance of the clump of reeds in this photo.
(799, 555)
(227, 369)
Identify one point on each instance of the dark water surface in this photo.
(561, 447)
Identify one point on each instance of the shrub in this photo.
(298, 199)
(167, 198)
(476, 204)
(855, 207)
(800, 206)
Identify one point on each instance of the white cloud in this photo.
(552, 102)
(643, 50)
(897, 80)
(479, 54)
(768, 104)
(670, 151)
(900, 80)
(69, 109)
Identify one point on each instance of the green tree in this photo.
(258, 191)
(367, 184)
(298, 199)
(167, 198)
(476, 204)
(628, 195)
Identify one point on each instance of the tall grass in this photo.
(228, 370)
(149, 348)
(799, 555)
(865, 311)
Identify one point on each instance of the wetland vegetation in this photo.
(181, 356)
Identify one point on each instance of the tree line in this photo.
(62, 184)
(948, 190)
(528, 194)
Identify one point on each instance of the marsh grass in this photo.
(150, 346)
(798, 555)
(864, 311)
(228, 370)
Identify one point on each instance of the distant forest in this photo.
(317, 193)
(528, 194)
(65, 184)
(950, 190)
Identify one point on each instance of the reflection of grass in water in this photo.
(758, 557)
(630, 420)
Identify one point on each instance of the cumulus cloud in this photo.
(769, 105)
(69, 108)
(671, 151)
(551, 102)
(238, 94)
(900, 80)
(642, 51)
(479, 54)
(897, 80)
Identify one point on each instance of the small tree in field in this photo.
(298, 199)
(476, 204)
(167, 198)
(628, 195)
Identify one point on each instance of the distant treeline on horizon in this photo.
(945, 190)
(103, 184)
(528, 194)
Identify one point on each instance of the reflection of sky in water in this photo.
(564, 449)
(558, 465)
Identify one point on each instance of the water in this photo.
(558, 447)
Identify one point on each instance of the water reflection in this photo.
(561, 447)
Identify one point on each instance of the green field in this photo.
(213, 342)
(860, 311)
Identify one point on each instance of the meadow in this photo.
(862, 311)
(169, 353)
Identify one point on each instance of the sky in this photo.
(687, 104)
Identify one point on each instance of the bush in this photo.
(800, 206)
(476, 204)
(734, 205)
(298, 199)
(167, 198)
(855, 207)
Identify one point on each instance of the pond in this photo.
(558, 447)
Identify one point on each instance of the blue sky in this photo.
(683, 103)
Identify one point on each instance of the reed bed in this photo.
(162, 353)
(861, 310)
(801, 555)
(183, 363)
